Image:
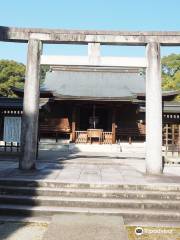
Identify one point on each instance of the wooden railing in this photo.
(171, 138)
(107, 137)
(9, 146)
(82, 137)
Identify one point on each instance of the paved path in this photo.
(91, 168)
(22, 231)
(86, 227)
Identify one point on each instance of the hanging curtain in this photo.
(12, 129)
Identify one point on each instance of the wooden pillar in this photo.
(113, 126)
(29, 132)
(74, 124)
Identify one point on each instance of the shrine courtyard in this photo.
(133, 185)
(90, 167)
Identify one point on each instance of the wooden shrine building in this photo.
(99, 104)
(93, 105)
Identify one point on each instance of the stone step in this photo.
(57, 184)
(108, 148)
(20, 218)
(54, 146)
(105, 148)
(44, 198)
(128, 214)
(90, 202)
(53, 140)
(105, 162)
(94, 193)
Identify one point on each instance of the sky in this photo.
(135, 15)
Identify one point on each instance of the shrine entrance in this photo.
(93, 124)
(93, 116)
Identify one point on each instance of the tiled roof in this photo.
(94, 84)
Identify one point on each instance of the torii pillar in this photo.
(153, 110)
(29, 130)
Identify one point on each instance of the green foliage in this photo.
(44, 69)
(171, 64)
(171, 73)
(11, 74)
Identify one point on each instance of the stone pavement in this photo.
(22, 230)
(86, 227)
(95, 168)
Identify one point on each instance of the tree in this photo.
(44, 69)
(171, 72)
(11, 74)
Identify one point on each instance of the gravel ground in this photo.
(22, 231)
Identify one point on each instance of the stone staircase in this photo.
(45, 198)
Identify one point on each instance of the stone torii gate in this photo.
(36, 38)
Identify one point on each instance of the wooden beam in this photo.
(86, 61)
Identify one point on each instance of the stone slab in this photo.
(128, 170)
(86, 227)
(87, 36)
